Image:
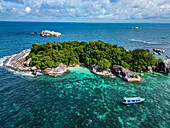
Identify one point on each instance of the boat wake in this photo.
(142, 41)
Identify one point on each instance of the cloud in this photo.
(27, 9)
(11, 10)
(15, 1)
(103, 11)
(1, 8)
(21, 13)
(91, 9)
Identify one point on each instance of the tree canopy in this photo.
(50, 55)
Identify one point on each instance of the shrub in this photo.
(104, 64)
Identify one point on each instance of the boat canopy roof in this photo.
(131, 98)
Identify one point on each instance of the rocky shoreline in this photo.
(96, 70)
(125, 74)
(19, 62)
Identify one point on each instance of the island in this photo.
(102, 58)
(133, 27)
(50, 33)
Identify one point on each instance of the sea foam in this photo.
(2, 60)
(17, 72)
(24, 73)
(142, 41)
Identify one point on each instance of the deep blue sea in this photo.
(80, 98)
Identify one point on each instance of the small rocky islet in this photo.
(48, 33)
(102, 58)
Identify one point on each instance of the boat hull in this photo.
(126, 103)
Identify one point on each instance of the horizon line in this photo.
(86, 22)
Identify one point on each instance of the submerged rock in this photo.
(142, 75)
(164, 67)
(158, 50)
(125, 74)
(35, 32)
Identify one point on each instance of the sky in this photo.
(116, 11)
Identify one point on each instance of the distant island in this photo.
(49, 33)
(102, 58)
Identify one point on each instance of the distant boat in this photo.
(132, 100)
(133, 27)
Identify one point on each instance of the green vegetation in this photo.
(134, 76)
(104, 54)
(104, 64)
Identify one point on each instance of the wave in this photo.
(26, 73)
(142, 41)
(23, 73)
(2, 60)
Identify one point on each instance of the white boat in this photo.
(132, 100)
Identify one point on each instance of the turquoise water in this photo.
(80, 98)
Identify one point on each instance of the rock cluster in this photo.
(18, 62)
(125, 74)
(149, 69)
(50, 33)
(158, 50)
(163, 67)
(62, 68)
(98, 71)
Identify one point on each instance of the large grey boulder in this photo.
(33, 68)
(149, 69)
(62, 68)
(99, 71)
(125, 74)
(27, 62)
(164, 67)
(17, 61)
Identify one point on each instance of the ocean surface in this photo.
(80, 98)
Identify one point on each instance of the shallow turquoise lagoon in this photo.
(83, 99)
